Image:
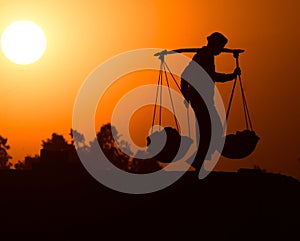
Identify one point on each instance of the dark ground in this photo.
(70, 205)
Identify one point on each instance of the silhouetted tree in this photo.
(56, 142)
(115, 149)
(111, 146)
(57, 152)
(4, 156)
(27, 163)
(78, 140)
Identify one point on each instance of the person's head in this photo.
(216, 41)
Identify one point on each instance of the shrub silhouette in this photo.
(112, 149)
(57, 152)
(4, 156)
(27, 163)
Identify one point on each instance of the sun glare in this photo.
(23, 42)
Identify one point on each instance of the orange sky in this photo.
(38, 99)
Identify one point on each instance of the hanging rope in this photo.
(165, 64)
(187, 109)
(246, 111)
(156, 97)
(163, 71)
(171, 99)
(245, 106)
(230, 100)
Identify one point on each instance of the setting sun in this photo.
(23, 42)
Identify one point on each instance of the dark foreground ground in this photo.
(71, 205)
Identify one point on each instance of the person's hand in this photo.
(237, 71)
(164, 52)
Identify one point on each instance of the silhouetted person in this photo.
(205, 58)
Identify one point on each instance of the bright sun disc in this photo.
(23, 42)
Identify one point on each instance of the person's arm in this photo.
(220, 77)
(186, 50)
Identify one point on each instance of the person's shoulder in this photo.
(203, 50)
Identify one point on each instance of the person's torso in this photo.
(205, 58)
(194, 75)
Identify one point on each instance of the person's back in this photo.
(205, 58)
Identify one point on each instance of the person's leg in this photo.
(218, 129)
(203, 129)
(203, 133)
